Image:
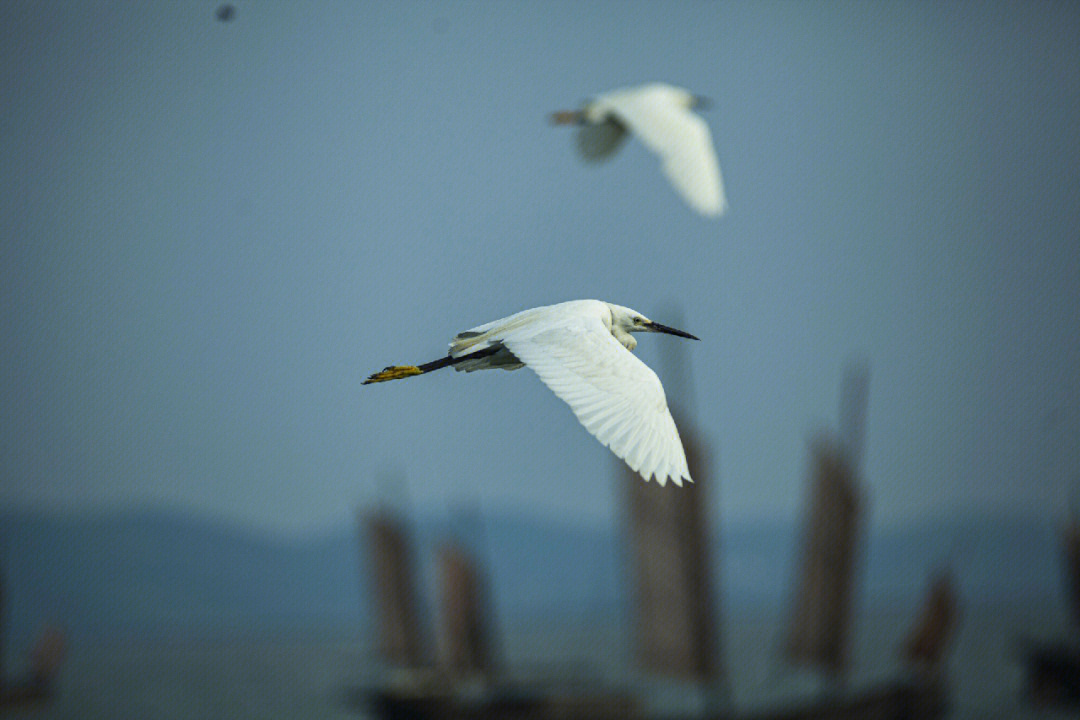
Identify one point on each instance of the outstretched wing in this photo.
(613, 394)
(681, 139)
(599, 141)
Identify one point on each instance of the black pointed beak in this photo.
(657, 327)
(702, 103)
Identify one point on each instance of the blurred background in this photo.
(217, 220)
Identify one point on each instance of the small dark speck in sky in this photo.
(225, 13)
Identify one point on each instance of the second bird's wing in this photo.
(681, 139)
(599, 141)
(614, 395)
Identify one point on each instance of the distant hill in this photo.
(158, 574)
(165, 573)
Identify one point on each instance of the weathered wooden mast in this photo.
(1070, 546)
(465, 636)
(926, 645)
(819, 627)
(2, 618)
(675, 620)
(391, 572)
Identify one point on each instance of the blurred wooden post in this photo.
(47, 657)
(820, 624)
(391, 570)
(676, 621)
(465, 638)
(1070, 545)
(854, 399)
(2, 619)
(926, 645)
(818, 632)
(675, 618)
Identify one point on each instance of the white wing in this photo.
(613, 394)
(681, 139)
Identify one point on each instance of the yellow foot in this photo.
(394, 372)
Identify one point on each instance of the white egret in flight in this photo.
(581, 350)
(661, 116)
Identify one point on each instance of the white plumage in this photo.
(581, 350)
(662, 117)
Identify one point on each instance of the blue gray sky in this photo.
(212, 232)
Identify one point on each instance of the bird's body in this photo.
(581, 350)
(661, 116)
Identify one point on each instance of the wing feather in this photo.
(681, 139)
(614, 395)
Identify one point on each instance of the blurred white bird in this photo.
(661, 116)
(580, 349)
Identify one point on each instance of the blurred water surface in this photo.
(308, 675)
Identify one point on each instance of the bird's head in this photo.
(625, 321)
(700, 102)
